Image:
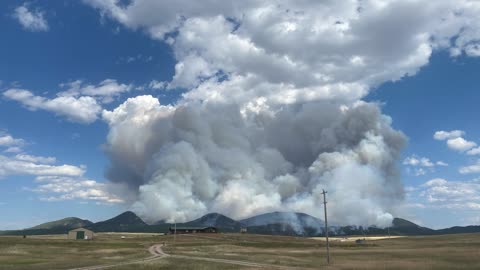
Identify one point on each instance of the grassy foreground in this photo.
(55, 252)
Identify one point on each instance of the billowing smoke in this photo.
(271, 111)
(184, 161)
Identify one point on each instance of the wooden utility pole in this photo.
(326, 224)
(175, 233)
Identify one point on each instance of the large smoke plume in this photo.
(272, 111)
(185, 161)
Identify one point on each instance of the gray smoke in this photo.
(179, 162)
(272, 111)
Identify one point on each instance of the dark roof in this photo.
(81, 229)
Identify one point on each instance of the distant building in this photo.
(80, 234)
(184, 230)
(243, 230)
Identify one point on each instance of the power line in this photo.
(326, 224)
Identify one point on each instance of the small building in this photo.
(80, 234)
(243, 230)
(185, 230)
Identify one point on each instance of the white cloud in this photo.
(79, 102)
(12, 166)
(345, 48)
(418, 161)
(444, 135)
(475, 168)
(452, 192)
(435, 182)
(13, 149)
(36, 159)
(32, 20)
(83, 109)
(154, 84)
(441, 163)
(460, 144)
(419, 171)
(69, 188)
(442, 193)
(421, 165)
(137, 58)
(105, 90)
(7, 140)
(474, 151)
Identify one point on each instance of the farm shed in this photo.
(184, 230)
(80, 234)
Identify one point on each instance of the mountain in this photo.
(224, 223)
(275, 223)
(458, 229)
(63, 224)
(403, 226)
(289, 223)
(125, 222)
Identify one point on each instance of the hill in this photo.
(458, 229)
(405, 227)
(63, 224)
(224, 223)
(125, 222)
(275, 223)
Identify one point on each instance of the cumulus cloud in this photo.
(6, 140)
(460, 144)
(421, 165)
(346, 47)
(23, 166)
(455, 141)
(154, 84)
(56, 188)
(442, 193)
(474, 168)
(82, 109)
(441, 163)
(271, 112)
(474, 151)
(106, 90)
(31, 20)
(78, 101)
(13, 149)
(418, 161)
(447, 135)
(54, 182)
(36, 159)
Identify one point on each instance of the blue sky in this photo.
(72, 49)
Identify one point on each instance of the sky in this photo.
(159, 107)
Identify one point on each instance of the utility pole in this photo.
(175, 233)
(326, 224)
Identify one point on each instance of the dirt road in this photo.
(157, 253)
(155, 250)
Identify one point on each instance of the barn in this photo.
(80, 234)
(185, 230)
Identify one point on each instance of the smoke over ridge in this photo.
(272, 111)
(181, 162)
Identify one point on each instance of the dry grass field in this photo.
(429, 252)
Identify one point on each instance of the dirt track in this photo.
(155, 250)
(158, 253)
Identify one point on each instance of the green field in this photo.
(460, 251)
